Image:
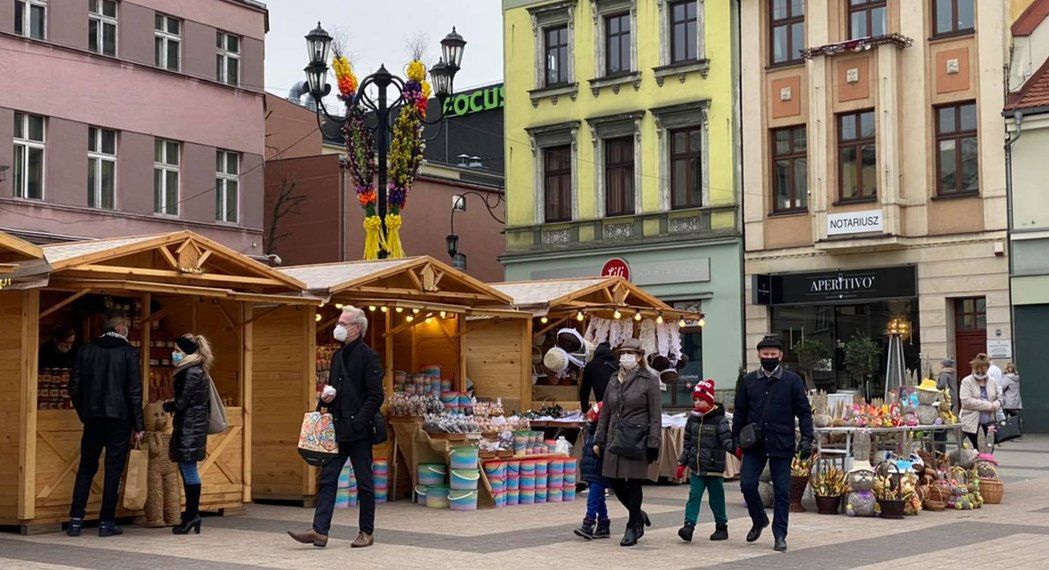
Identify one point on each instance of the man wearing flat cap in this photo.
(767, 401)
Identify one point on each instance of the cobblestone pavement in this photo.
(1013, 534)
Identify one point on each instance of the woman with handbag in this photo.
(1011, 401)
(193, 359)
(628, 433)
(981, 399)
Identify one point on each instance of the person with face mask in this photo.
(981, 398)
(628, 433)
(193, 359)
(767, 402)
(353, 397)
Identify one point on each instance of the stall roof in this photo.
(13, 249)
(582, 292)
(22, 264)
(405, 279)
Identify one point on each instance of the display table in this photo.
(904, 434)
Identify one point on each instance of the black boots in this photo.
(586, 530)
(756, 528)
(602, 530)
(781, 544)
(630, 535)
(76, 526)
(190, 518)
(107, 529)
(642, 523)
(686, 531)
(720, 533)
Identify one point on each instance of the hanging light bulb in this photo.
(338, 305)
(429, 320)
(444, 314)
(637, 316)
(371, 308)
(415, 311)
(659, 319)
(579, 316)
(544, 320)
(702, 322)
(409, 318)
(400, 309)
(617, 314)
(317, 318)
(681, 323)
(383, 309)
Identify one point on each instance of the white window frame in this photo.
(673, 118)
(95, 158)
(168, 38)
(98, 15)
(545, 137)
(27, 18)
(224, 54)
(165, 166)
(550, 16)
(601, 10)
(28, 143)
(612, 127)
(222, 180)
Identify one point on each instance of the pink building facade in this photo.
(132, 117)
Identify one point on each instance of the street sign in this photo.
(616, 267)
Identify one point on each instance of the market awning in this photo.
(586, 294)
(22, 264)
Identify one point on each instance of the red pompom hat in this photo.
(704, 390)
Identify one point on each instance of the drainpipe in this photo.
(342, 208)
(1018, 118)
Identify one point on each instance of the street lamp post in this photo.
(442, 74)
(452, 239)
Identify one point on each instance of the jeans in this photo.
(190, 476)
(716, 500)
(596, 507)
(753, 465)
(115, 437)
(628, 491)
(360, 455)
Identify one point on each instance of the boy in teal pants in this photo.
(708, 440)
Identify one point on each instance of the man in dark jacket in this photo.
(353, 397)
(770, 398)
(596, 374)
(106, 390)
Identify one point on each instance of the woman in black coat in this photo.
(191, 406)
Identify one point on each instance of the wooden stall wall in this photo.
(283, 378)
(436, 342)
(12, 392)
(498, 360)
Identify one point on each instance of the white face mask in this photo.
(628, 361)
(979, 376)
(340, 333)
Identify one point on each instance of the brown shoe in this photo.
(310, 537)
(363, 539)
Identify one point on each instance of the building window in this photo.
(101, 167)
(789, 169)
(166, 155)
(227, 181)
(227, 60)
(953, 17)
(683, 29)
(957, 160)
(867, 18)
(555, 45)
(686, 180)
(970, 314)
(787, 30)
(557, 183)
(31, 18)
(102, 27)
(857, 156)
(167, 41)
(29, 156)
(617, 44)
(619, 176)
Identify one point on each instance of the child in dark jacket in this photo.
(708, 437)
(590, 469)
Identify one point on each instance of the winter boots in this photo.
(686, 531)
(720, 533)
(586, 530)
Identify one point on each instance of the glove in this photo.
(598, 448)
(653, 454)
(805, 451)
(680, 473)
(738, 453)
(169, 406)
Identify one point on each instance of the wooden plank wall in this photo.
(10, 384)
(494, 360)
(435, 342)
(281, 384)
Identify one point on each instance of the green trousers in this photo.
(716, 487)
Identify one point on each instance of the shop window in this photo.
(970, 314)
(555, 47)
(166, 170)
(102, 24)
(953, 17)
(686, 180)
(957, 158)
(789, 169)
(167, 42)
(857, 156)
(786, 30)
(101, 167)
(557, 183)
(227, 182)
(683, 31)
(867, 18)
(29, 156)
(227, 59)
(619, 176)
(31, 18)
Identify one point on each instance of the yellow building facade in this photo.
(622, 142)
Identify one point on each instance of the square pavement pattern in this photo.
(1014, 534)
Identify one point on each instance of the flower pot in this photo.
(797, 491)
(828, 505)
(891, 509)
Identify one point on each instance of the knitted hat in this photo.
(704, 390)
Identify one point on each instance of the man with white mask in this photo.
(353, 397)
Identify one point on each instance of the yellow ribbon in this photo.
(372, 237)
(393, 236)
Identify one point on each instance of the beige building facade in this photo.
(880, 190)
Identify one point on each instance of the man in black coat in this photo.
(771, 398)
(596, 374)
(353, 397)
(106, 390)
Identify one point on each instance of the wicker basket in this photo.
(992, 491)
(891, 509)
(934, 497)
(828, 505)
(797, 491)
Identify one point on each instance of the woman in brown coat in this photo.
(628, 433)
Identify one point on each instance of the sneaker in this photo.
(75, 528)
(686, 531)
(108, 529)
(586, 530)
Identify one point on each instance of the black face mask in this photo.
(769, 364)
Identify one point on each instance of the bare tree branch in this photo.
(416, 44)
(287, 202)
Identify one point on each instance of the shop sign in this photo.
(616, 267)
(474, 102)
(999, 348)
(854, 223)
(5, 282)
(837, 286)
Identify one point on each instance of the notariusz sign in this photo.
(854, 223)
(836, 286)
(485, 99)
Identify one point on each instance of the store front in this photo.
(834, 307)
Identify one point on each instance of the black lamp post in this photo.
(442, 75)
(452, 239)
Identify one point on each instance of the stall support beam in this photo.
(144, 350)
(64, 302)
(309, 328)
(526, 368)
(245, 395)
(388, 340)
(28, 400)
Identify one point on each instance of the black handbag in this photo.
(629, 440)
(754, 433)
(1009, 428)
(379, 434)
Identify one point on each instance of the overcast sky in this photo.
(377, 31)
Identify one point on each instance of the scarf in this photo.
(115, 334)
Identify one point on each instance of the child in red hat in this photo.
(708, 440)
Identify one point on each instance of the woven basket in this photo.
(992, 491)
(797, 491)
(891, 509)
(828, 505)
(934, 497)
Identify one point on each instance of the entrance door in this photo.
(970, 331)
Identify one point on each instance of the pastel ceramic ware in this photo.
(464, 457)
(437, 497)
(555, 481)
(528, 467)
(432, 473)
(495, 469)
(557, 466)
(420, 494)
(570, 465)
(381, 495)
(500, 499)
(513, 482)
(540, 481)
(540, 495)
(553, 495)
(464, 479)
(527, 482)
(498, 485)
(513, 496)
(569, 479)
(380, 467)
(513, 468)
(527, 497)
(568, 494)
(462, 500)
(540, 467)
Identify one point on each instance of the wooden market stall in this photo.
(169, 284)
(423, 314)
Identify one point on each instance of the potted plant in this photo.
(828, 486)
(809, 353)
(861, 360)
(800, 471)
(889, 491)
